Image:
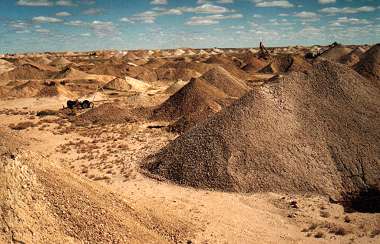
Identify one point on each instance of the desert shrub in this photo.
(47, 112)
(319, 234)
(22, 125)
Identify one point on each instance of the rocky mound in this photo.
(108, 113)
(60, 62)
(335, 53)
(176, 74)
(27, 89)
(5, 66)
(228, 64)
(196, 66)
(353, 57)
(53, 90)
(70, 73)
(225, 82)
(118, 70)
(251, 63)
(68, 209)
(369, 64)
(142, 73)
(118, 84)
(286, 63)
(26, 72)
(194, 97)
(315, 132)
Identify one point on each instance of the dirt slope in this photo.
(369, 64)
(224, 81)
(25, 72)
(70, 73)
(336, 53)
(353, 57)
(315, 132)
(195, 96)
(286, 63)
(68, 209)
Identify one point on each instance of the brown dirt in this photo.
(70, 73)
(60, 62)
(196, 96)
(118, 70)
(108, 113)
(229, 65)
(118, 84)
(353, 57)
(315, 132)
(26, 72)
(67, 208)
(286, 63)
(142, 73)
(55, 89)
(336, 53)
(224, 81)
(176, 74)
(369, 64)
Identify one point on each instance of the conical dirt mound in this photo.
(5, 66)
(336, 53)
(225, 82)
(369, 64)
(315, 132)
(60, 62)
(353, 57)
(196, 96)
(286, 63)
(53, 90)
(26, 72)
(118, 84)
(70, 73)
(227, 64)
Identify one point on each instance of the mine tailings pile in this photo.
(303, 133)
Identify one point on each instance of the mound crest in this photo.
(225, 82)
(315, 132)
(286, 63)
(196, 96)
(118, 84)
(369, 64)
(335, 53)
(26, 72)
(70, 73)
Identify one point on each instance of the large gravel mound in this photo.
(317, 132)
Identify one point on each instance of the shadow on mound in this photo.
(367, 201)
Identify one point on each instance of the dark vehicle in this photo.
(71, 104)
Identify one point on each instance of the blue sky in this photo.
(58, 25)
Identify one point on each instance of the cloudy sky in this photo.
(57, 25)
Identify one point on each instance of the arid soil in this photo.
(191, 146)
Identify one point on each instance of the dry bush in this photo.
(47, 112)
(22, 125)
(339, 230)
(374, 233)
(319, 234)
(324, 214)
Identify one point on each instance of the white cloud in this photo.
(41, 30)
(75, 23)
(92, 11)
(347, 10)
(35, 3)
(104, 28)
(326, 1)
(44, 19)
(159, 2)
(65, 3)
(351, 21)
(63, 14)
(211, 19)
(307, 16)
(266, 4)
